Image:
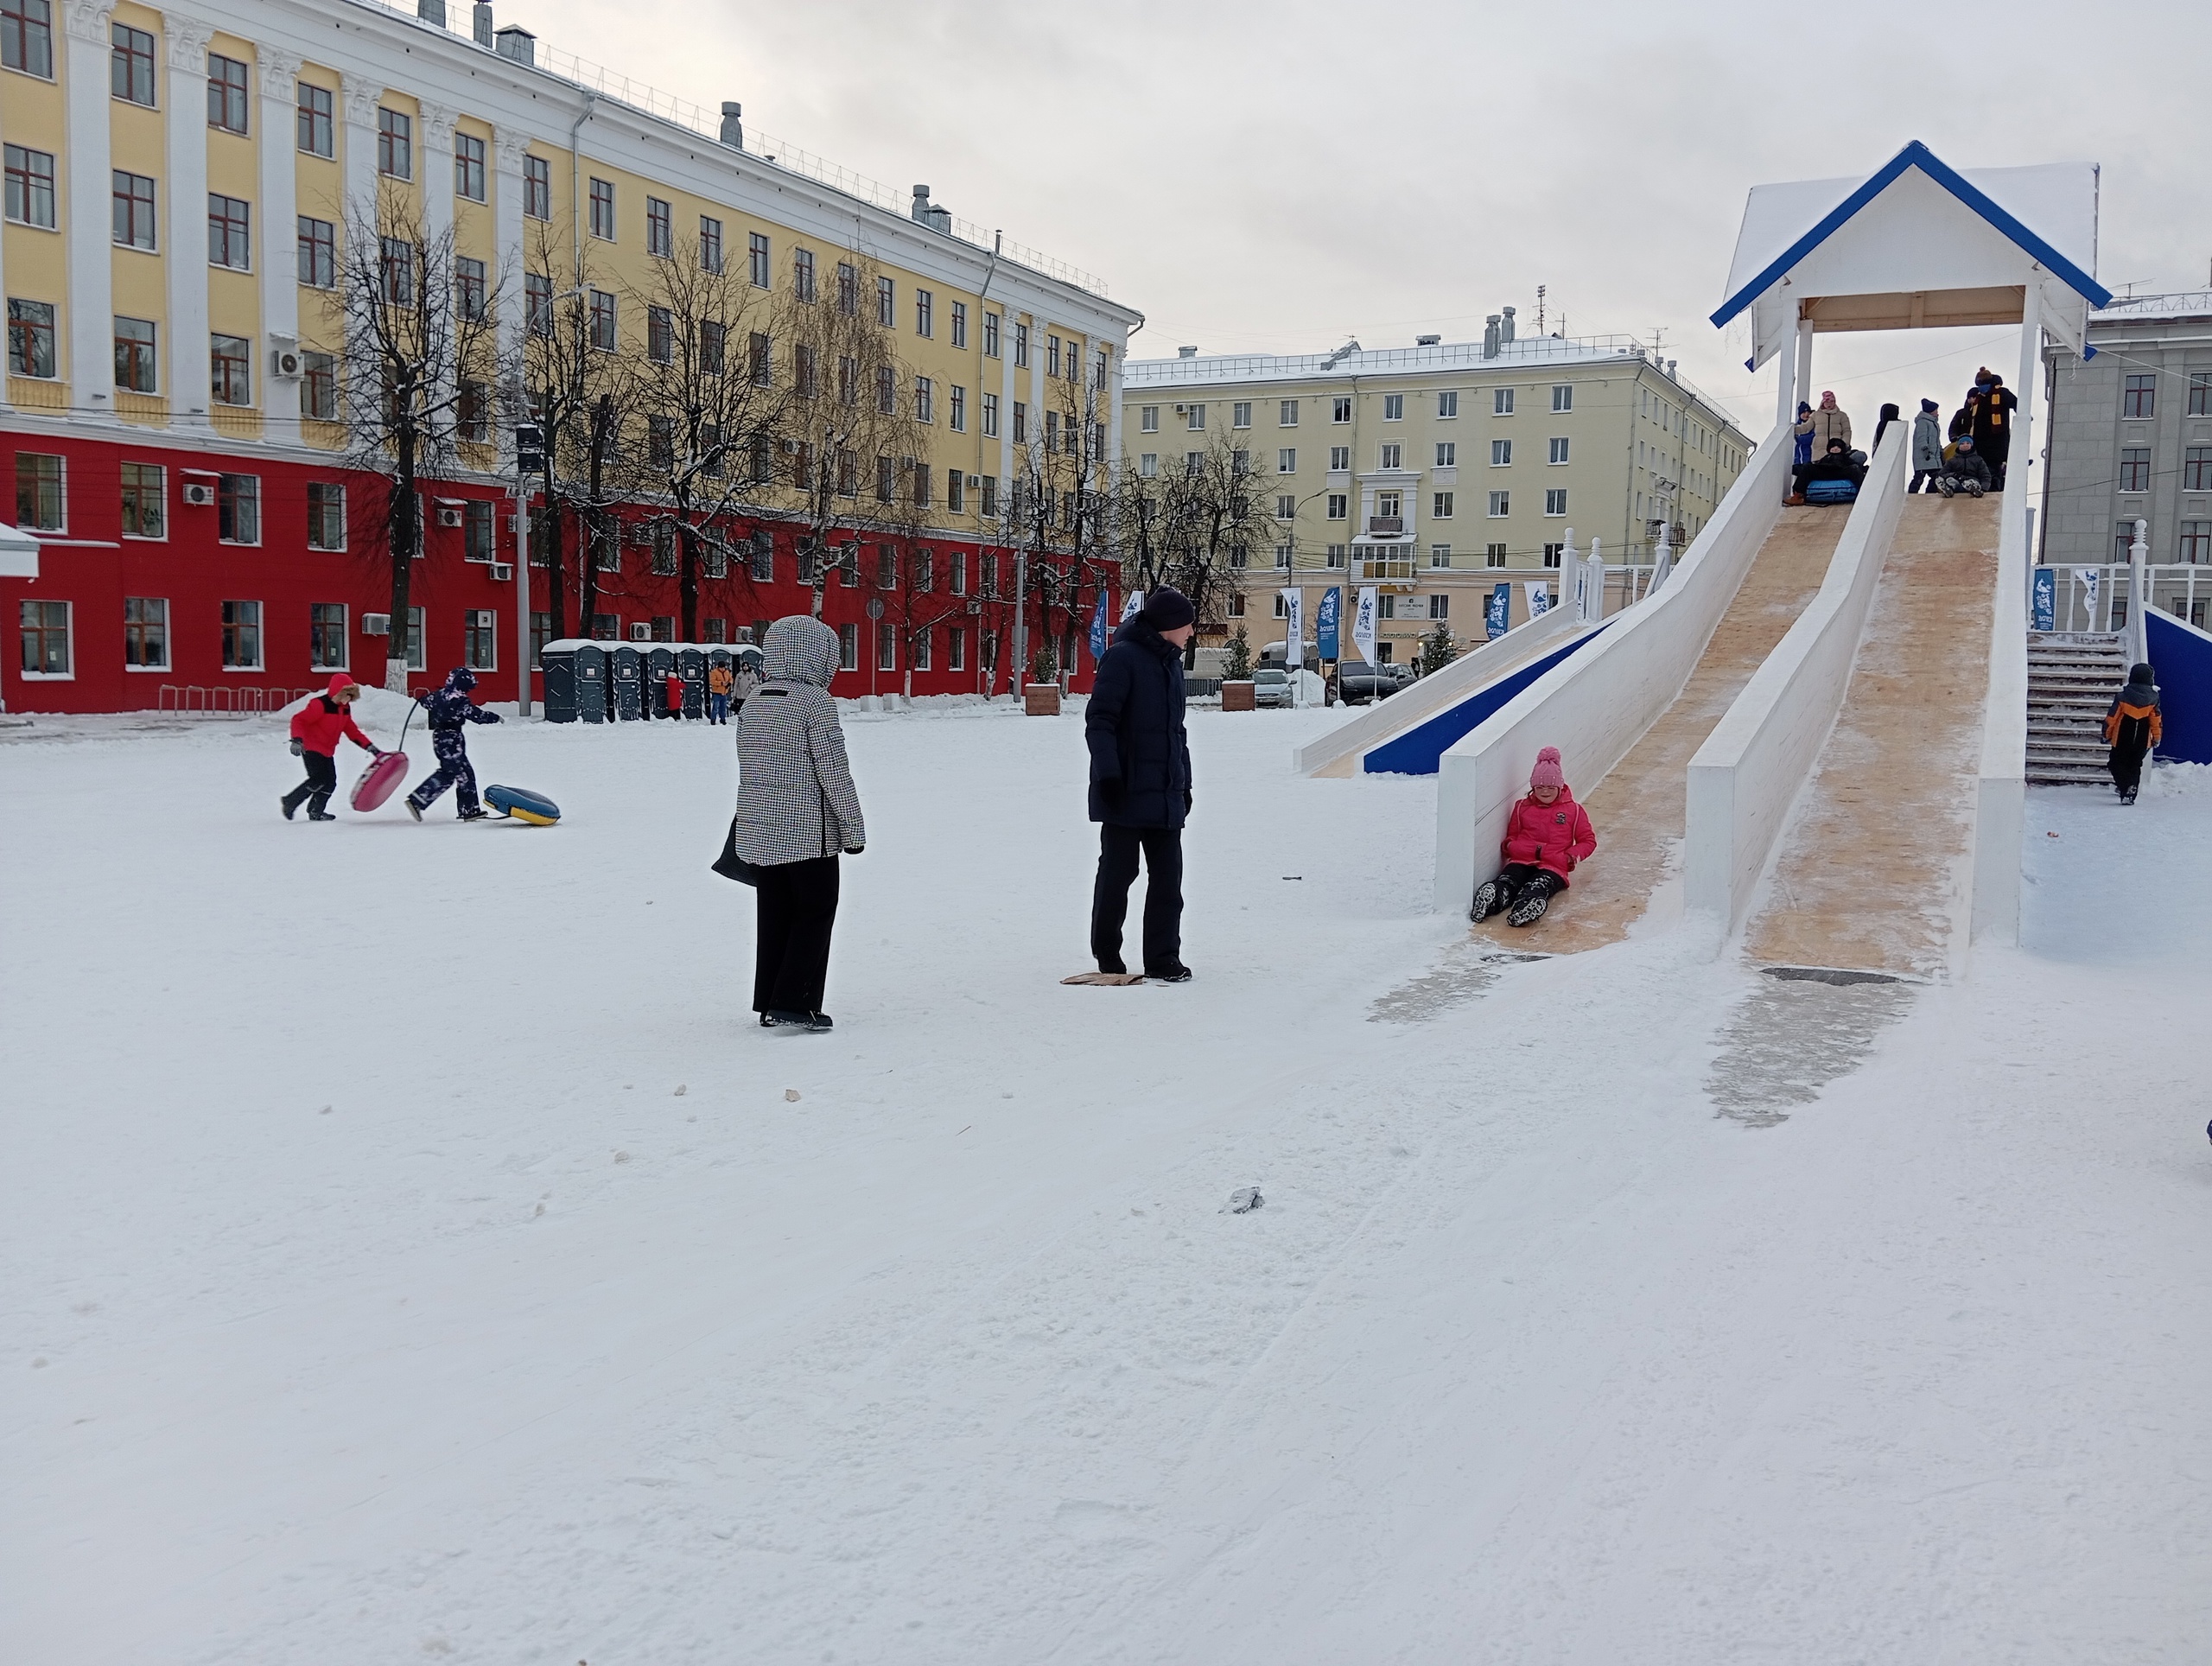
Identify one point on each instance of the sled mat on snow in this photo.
(1639, 810)
(1873, 871)
(1106, 980)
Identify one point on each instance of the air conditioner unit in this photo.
(975, 482)
(376, 624)
(448, 514)
(285, 364)
(484, 619)
(197, 494)
(975, 607)
(503, 572)
(641, 633)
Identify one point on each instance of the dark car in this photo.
(1357, 682)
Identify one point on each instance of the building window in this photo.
(761, 554)
(327, 642)
(1340, 411)
(134, 211)
(1440, 605)
(660, 336)
(660, 228)
(319, 386)
(849, 647)
(1558, 451)
(1286, 508)
(1447, 453)
(925, 314)
(1194, 418)
(315, 133)
(1439, 554)
(1501, 402)
(1493, 555)
(39, 501)
(1551, 553)
(1393, 407)
(1501, 503)
(1021, 346)
(886, 394)
(238, 508)
(30, 186)
(318, 257)
(2200, 392)
(326, 515)
(146, 633)
(957, 418)
(1339, 460)
(468, 289)
(1287, 460)
(45, 627)
(1052, 355)
(1562, 396)
(1149, 419)
(30, 337)
(2135, 467)
(27, 36)
(990, 501)
(468, 166)
(2196, 542)
(241, 636)
(227, 81)
(2197, 468)
(231, 364)
(396, 268)
(1556, 500)
(229, 232)
(395, 144)
(130, 65)
(1392, 456)
(479, 646)
(710, 241)
(1282, 557)
(603, 321)
(472, 413)
(848, 289)
(145, 501)
(2139, 397)
(886, 303)
(1339, 505)
(1240, 414)
(959, 323)
(1501, 453)
(537, 187)
(1441, 506)
(135, 358)
(602, 210)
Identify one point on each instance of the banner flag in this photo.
(1540, 598)
(1131, 606)
(1363, 624)
(1499, 611)
(1294, 602)
(1325, 632)
(1098, 627)
(2091, 579)
(2046, 585)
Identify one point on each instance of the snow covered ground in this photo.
(413, 1252)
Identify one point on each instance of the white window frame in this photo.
(1562, 396)
(1556, 450)
(1501, 505)
(1147, 419)
(1555, 502)
(1286, 459)
(1501, 453)
(1447, 453)
(1393, 407)
(1501, 402)
(1287, 414)
(1340, 409)
(1240, 414)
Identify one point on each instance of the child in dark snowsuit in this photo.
(2132, 728)
(1966, 472)
(1548, 834)
(317, 727)
(450, 709)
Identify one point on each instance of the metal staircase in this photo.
(2072, 677)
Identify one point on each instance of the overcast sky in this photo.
(1281, 177)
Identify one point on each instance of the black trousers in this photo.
(2126, 768)
(1163, 892)
(798, 905)
(315, 791)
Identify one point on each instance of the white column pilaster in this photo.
(184, 237)
(434, 129)
(358, 96)
(280, 288)
(508, 147)
(88, 219)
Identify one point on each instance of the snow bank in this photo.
(373, 709)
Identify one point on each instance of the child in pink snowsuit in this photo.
(1548, 836)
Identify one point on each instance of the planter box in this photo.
(1041, 699)
(1239, 697)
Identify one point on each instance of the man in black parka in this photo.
(1140, 783)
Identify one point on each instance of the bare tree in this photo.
(1194, 526)
(1059, 519)
(711, 404)
(419, 368)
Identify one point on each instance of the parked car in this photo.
(1358, 682)
(1271, 686)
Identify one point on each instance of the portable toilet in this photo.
(628, 677)
(660, 660)
(591, 681)
(557, 661)
(691, 666)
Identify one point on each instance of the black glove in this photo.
(855, 849)
(1186, 801)
(299, 747)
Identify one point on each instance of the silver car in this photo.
(1270, 686)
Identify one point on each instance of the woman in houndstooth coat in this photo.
(797, 812)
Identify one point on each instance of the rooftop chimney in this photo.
(937, 219)
(518, 44)
(733, 133)
(1186, 352)
(1671, 363)
(431, 11)
(481, 25)
(1427, 340)
(1491, 337)
(1506, 332)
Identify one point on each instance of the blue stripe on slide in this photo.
(1418, 751)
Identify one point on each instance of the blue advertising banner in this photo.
(1499, 611)
(1098, 628)
(1325, 622)
(2046, 599)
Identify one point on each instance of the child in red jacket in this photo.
(1548, 836)
(317, 727)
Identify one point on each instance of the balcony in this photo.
(1385, 526)
(1393, 572)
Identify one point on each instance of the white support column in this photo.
(280, 289)
(88, 218)
(1785, 386)
(434, 133)
(358, 109)
(185, 237)
(1804, 363)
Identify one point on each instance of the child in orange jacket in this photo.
(1549, 835)
(2132, 728)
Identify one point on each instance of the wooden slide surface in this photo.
(1873, 871)
(1639, 809)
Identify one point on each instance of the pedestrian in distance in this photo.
(1926, 447)
(1962, 419)
(720, 681)
(1964, 471)
(2132, 727)
(1992, 428)
(317, 727)
(1888, 415)
(797, 813)
(1547, 838)
(1140, 783)
(743, 681)
(672, 697)
(450, 711)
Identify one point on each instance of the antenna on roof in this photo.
(1540, 309)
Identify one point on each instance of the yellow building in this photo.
(1435, 471)
(179, 189)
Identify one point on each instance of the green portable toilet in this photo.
(557, 661)
(628, 677)
(691, 666)
(591, 683)
(660, 660)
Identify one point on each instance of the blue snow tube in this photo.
(523, 804)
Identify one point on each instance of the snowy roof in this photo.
(1917, 245)
(2185, 303)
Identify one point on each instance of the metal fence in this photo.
(2099, 597)
(191, 697)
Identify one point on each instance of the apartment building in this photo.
(2131, 437)
(1435, 471)
(179, 190)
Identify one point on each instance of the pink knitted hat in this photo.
(1547, 772)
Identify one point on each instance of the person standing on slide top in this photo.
(1140, 783)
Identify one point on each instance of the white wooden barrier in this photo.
(1598, 704)
(1751, 767)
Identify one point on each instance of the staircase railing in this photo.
(2099, 598)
